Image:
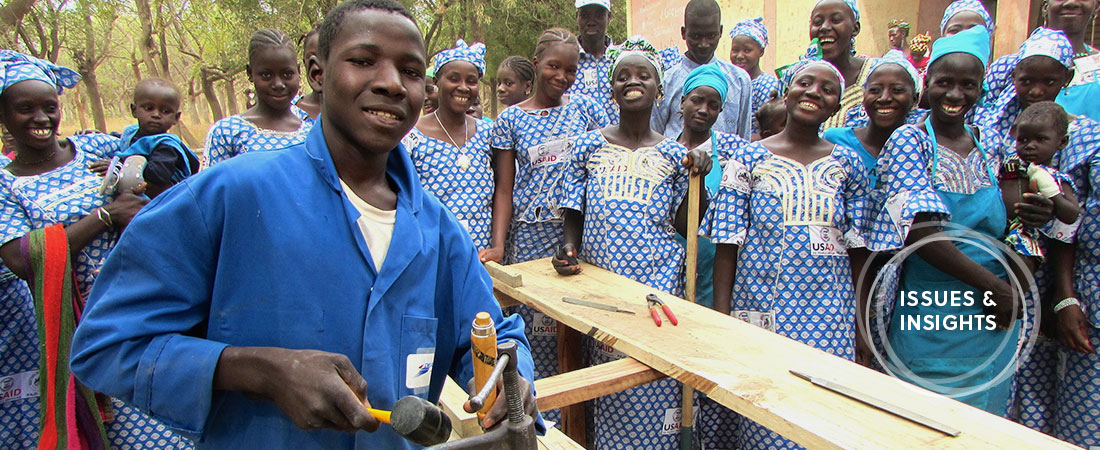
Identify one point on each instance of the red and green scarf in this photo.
(72, 415)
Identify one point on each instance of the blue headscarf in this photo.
(959, 6)
(1048, 42)
(896, 58)
(707, 75)
(974, 41)
(474, 54)
(16, 67)
(753, 28)
(855, 13)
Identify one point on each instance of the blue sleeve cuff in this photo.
(174, 381)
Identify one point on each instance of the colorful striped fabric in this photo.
(71, 413)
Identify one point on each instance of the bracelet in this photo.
(1067, 302)
(101, 212)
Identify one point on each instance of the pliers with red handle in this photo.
(653, 301)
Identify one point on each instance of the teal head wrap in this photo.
(707, 75)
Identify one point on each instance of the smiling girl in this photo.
(273, 123)
(624, 205)
(749, 39)
(532, 144)
(450, 149)
(835, 24)
(787, 223)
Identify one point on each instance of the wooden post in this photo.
(687, 394)
(1013, 19)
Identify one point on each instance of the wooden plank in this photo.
(502, 275)
(556, 440)
(463, 424)
(746, 369)
(574, 387)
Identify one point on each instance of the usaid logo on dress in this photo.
(6, 384)
(543, 325)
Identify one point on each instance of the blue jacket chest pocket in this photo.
(418, 354)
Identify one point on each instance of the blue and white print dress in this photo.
(65, 195)
(1077, 419)
(629, 198)
(18, 361)
(543, 142)
(461, 178)
(235, 135)
(762, 87)
(794, 224)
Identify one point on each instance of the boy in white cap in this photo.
(594, 64)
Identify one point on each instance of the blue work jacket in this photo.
(264, 250)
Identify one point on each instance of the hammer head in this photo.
(420, 422)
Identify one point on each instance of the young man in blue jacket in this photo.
(272, 299)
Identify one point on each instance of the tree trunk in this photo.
(13, 12)
(145, 38)
(81, 112)
(90, 82)
(135, 64)
(192, 96)
(208, 80)
(492, 98)
(231, 96)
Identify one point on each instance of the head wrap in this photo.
(753, 28)
(606, 4)
(792, 71)
(974, 41)
(855, 13)
(959, 6)
(474, 54)
(430, 71)
(898, 23)
(16, 67)
(707, 75)
(671, 56)
(635, 46)
(894, 58)
(1048, 42)
(920, 43)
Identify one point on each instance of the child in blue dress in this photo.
(532, 143)
(151, 154)
(624, 205)
(787, 222)
(274, 123)
(450, 149)
(49, 183)
(748, 40)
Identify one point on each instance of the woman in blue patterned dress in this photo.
(787, 223)
(450, 149)
(18, 361)
(274, 123)
(624, 205)
(1039, 70)
(748, 40)
(49, 183)
(891, 93)
(532, 143)
(1077, 295)
(945, 169)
